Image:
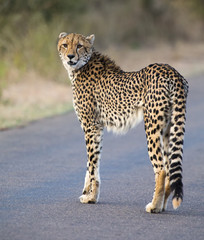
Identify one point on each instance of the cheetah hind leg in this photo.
(167, 192)
(156, 205)
(166, 136)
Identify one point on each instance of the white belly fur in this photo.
(122, 126)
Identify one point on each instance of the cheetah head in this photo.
(75, 50)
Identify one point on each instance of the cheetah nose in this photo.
(70, 56)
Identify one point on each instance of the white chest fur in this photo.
(70, 71)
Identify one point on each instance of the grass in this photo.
(33, 98)
(18, 116)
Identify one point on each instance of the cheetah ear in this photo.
(62, 34)
(91, 38)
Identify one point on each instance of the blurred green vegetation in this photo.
(29, 29)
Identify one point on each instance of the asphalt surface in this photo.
(42, 169)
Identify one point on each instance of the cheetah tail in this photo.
(176, 140)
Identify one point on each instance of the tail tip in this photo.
(176, 202)
(177, 189)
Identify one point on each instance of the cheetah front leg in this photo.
(91, 188)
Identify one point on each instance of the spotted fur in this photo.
(106, 96)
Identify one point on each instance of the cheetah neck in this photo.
(96, 57)
(71, 73)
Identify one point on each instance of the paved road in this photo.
(42, 169)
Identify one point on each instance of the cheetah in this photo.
(106, 96)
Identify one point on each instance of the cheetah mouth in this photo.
(71, 63)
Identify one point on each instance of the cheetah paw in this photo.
(151, 209)
(89, 198)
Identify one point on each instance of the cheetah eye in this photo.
(79, 46)
(64, 45)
